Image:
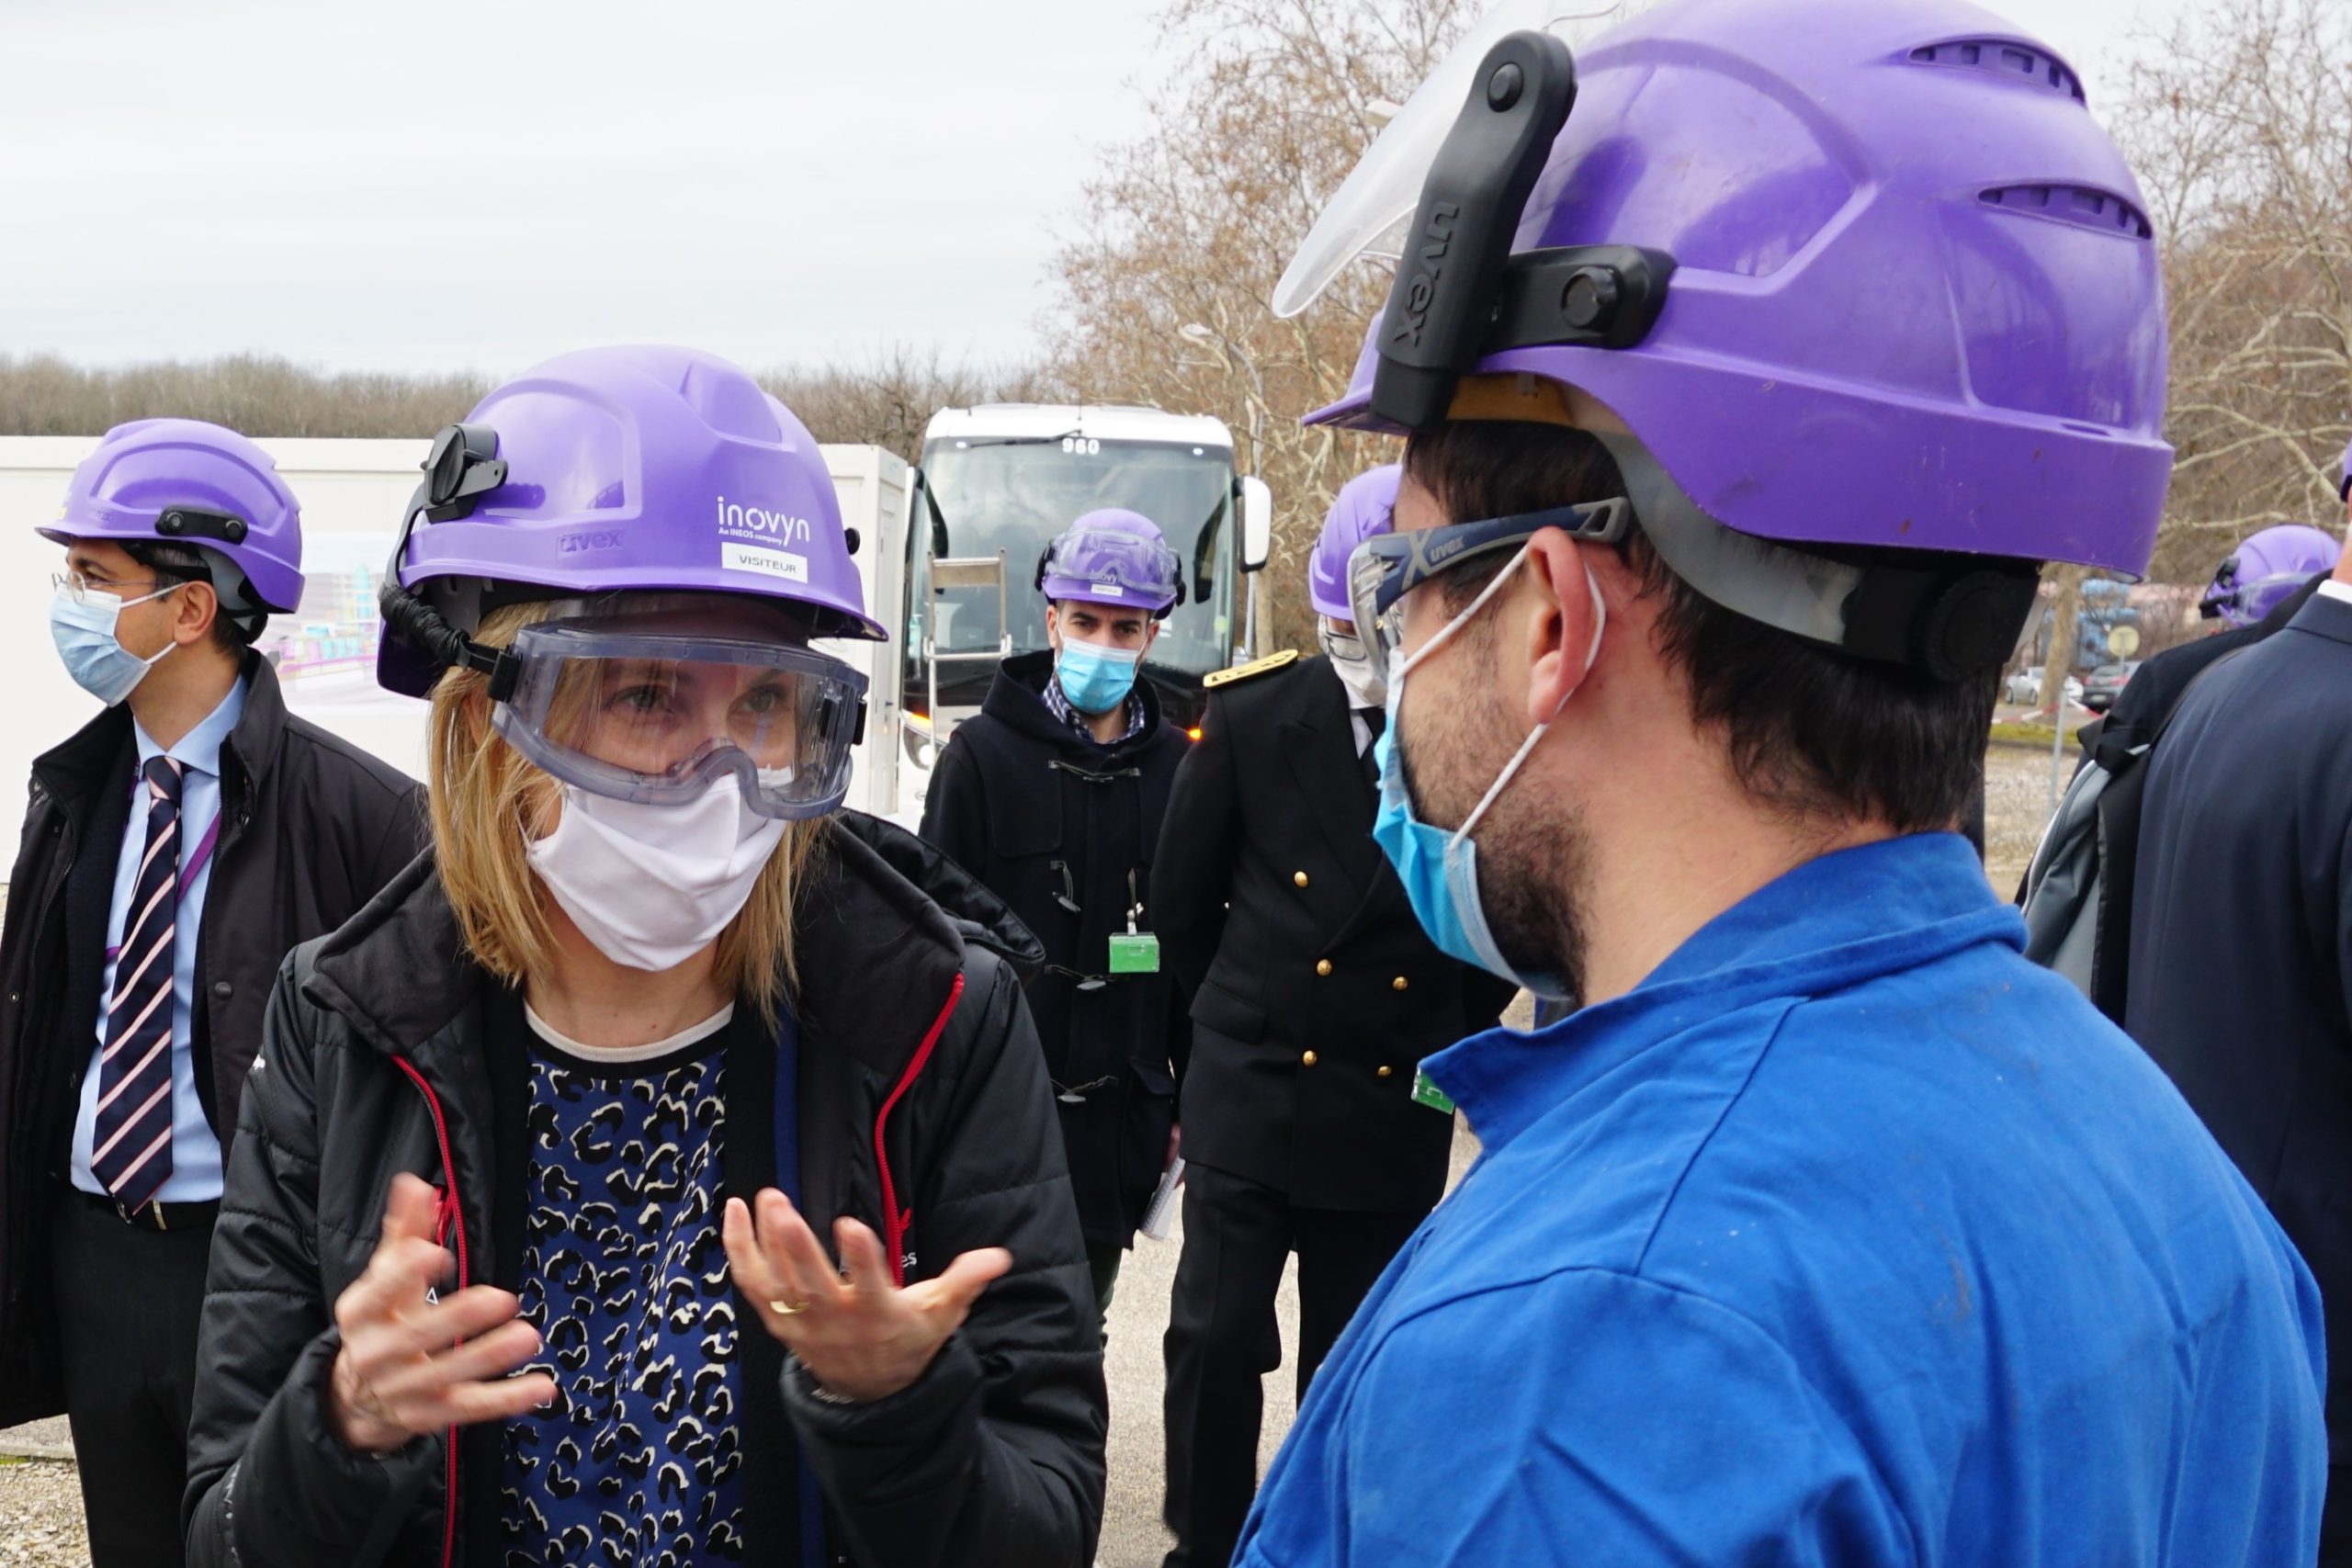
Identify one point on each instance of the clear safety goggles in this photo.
(1388, 566)
(628, 707)
(1107, 558)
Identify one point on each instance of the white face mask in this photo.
(652, 886)
(1353, 661)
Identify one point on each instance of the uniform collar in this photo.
(200, 750)
(1831, 923)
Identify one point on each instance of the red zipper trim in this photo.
(451, 1217)
(894, 1224)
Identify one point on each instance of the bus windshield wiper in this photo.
(970, 441)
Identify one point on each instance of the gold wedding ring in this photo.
(787, 1309)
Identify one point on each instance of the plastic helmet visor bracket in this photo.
(1388, 566)
(657, 716)
(461, 466)
(1443, 298)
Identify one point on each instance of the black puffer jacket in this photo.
(914, 1044)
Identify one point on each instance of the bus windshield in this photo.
(1015, 496)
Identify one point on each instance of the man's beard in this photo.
(1532, 852)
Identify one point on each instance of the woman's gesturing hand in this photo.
(860, 1336)
(411, 1365)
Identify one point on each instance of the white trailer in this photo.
(353, 495)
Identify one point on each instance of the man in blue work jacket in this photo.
(1828, 1230)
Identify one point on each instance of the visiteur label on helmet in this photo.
(760, 558)
(1426, 1092)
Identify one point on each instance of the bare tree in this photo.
(887, 400)
(43, 395)
(1191, 226)
(2239, 122)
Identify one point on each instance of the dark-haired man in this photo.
(1828, 1229)
(176, 850)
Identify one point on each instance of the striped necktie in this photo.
(132, 1155)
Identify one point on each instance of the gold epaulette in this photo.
(1216, 678)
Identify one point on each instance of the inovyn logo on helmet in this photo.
(753, 538)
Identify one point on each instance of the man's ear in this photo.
(1054, 625)
(1561, 631)
(198, 605)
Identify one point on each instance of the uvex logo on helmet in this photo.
(757, 522)
(1423, 289)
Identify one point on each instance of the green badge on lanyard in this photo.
(1133, 951)
(1426, 1092)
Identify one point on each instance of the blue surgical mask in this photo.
(1440, 870)
(83, 630)
(1095, 679)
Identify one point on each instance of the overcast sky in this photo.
(478, 184)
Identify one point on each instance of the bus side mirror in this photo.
(1257, 524)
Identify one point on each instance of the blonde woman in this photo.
(663, 1170)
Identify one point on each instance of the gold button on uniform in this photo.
(1307, 1058)
(1398, 984)
(1323, 967)
(1385, 1071)
(1299, 877)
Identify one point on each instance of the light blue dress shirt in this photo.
(195, 1153)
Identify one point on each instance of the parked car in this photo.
(2107, 684)
(2025, 686)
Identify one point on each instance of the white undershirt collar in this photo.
(692, 1034)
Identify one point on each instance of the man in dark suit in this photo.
(173, 850)
(2241, 977)
(1316, 994)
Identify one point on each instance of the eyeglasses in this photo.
(78, 588)
(1386, 567)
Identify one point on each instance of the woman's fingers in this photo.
(963, 1281)
(502, 1399)
(862, 1259)
(808, 1275)
(493, 1355)
(411, 1207)
(433, 1328)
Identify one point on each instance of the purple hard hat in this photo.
(1365, 505)
(2265, 569)
(182, 481)
(1850, 274)
(615, 469)
(1112, 557)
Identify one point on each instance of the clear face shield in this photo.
(1366, 214)
(655, 697)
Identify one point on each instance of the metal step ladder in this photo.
(962, 571)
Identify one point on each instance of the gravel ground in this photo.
(40, 1507)
(2016, 807)
(41, 1515)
